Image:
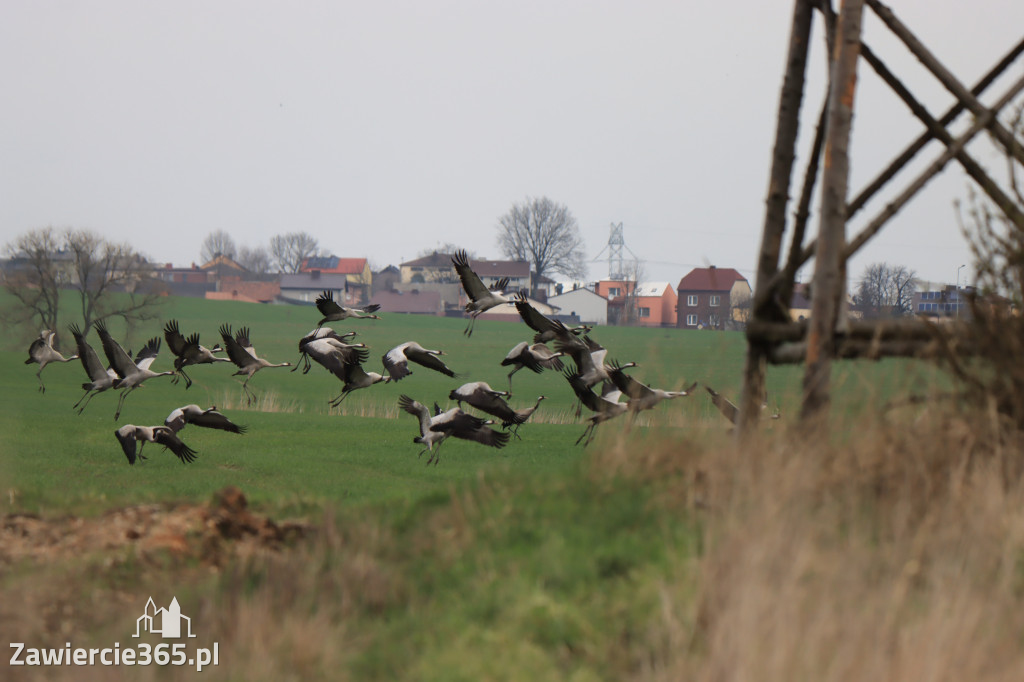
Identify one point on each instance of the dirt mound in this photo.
(208, 532)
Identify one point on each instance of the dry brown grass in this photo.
(893, 555)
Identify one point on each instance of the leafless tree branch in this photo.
(546, 235)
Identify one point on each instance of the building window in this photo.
(644, 312)
(614, 291)
(691, 320)
(716, 300)
(691, 301)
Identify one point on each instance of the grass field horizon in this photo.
(298, 445)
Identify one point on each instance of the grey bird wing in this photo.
(430, 361)
(126, 436)
(533, 318)
(493, 405)
(418, 410)
(34, 349)
(212, 419)
(165, 437)
(471, 282)
(326, 305)
(582, 391)
(118, 358)
(175, 341)
(627, 384)
(353, 373)
(546, 357)
(175, 420)
(347, 352)
(191, 349)
(242, 337)
(90, 361)
(485, 436)
(396, 364)
(240, 356)
(457, 423)
(147, 355)
(724, 405)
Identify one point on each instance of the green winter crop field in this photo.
(657, 552)
(298, 453)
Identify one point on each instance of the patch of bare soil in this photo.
(208, 532)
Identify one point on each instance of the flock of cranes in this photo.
(601, 385)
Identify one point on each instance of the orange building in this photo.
(645, 304)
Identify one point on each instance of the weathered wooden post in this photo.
(783, 155)
(828, 283)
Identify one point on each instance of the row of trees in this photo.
(109, 279)
(46, 261)
(285, 253)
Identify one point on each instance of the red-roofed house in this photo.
(358, 277)
(709, 298)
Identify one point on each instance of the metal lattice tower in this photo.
(616, 242)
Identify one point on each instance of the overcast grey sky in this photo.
(385, 128)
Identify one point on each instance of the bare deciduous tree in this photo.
(217, 243)
(886, 290)
(34, 278)
(546, 235)
(992, 377)
(289, 250)
(110, 280)
(996, 235)
(256, 260)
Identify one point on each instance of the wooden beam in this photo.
(784, 288)
(783, 155)
(924, 138)
(901, 161)
(893, 207)
(945, 77)
(902, 329)
(828, 285)
(1004, 202)
(796, 353)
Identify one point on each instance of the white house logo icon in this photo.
(166, 622)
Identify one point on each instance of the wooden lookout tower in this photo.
(829, 334)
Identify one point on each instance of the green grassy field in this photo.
(543, 559)
(298, 453)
